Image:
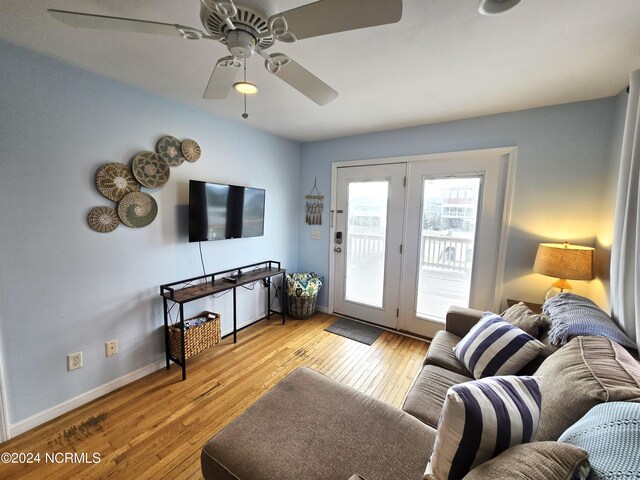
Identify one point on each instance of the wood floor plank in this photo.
(155, 427)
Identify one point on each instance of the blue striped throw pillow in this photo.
(481, 419)
(495, 347)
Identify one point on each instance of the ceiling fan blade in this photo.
(300, 78)
(222, 79)
(333, 16)
(103, 22)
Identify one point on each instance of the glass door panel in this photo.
(366, 242)
(456, 207)
(447, 240)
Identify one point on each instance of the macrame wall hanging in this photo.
(314, 206)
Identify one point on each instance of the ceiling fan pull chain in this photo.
(279, 29)
(245, 115)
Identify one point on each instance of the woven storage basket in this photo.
(301, 308)
(196, 338)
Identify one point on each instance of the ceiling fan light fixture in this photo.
(246, 88)
(495, 7)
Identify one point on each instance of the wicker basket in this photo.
(196, 338)
(301, 308)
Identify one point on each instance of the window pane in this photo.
(366, 242)
(450, 207)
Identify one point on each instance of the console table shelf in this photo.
(188, 290)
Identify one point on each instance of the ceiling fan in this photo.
(245, 29)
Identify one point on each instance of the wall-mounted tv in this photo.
(218, 212)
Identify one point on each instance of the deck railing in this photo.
(447, 253)
(438, 252)
(364, 248)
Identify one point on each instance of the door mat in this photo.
(355, 331)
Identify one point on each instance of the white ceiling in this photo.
(442, 61)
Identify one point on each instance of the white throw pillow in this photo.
(495, 347)
(481, 419)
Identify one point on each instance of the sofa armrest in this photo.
(459, 320)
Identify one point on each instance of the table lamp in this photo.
(563, 261)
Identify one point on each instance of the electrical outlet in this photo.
(74, 360)
(316, 235)
(111, 348)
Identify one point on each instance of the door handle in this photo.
(337, 250)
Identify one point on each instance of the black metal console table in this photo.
(191, 289)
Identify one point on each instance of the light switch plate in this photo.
(316, 235)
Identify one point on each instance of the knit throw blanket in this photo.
(610, 432)
(572, 315)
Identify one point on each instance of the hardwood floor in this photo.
(156, 426)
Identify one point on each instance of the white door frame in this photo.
(509, 152)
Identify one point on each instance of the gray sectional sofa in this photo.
(312, 427)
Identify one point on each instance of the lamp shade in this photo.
(565, 261)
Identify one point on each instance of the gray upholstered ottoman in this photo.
(311, 427)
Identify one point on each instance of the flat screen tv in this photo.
(219, 212)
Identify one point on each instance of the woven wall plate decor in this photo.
(103, 219)
(150, 169)
(191, 150)
(114, 181)
(137, 209)
(169, 148)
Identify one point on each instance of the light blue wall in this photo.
(65, 288)
(563, 156)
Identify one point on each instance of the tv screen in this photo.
(218, 212)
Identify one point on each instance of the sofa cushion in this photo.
(426, 397)
(460, 320)
(572, 315)
(582, 374)
(495, 347)
(480, 420)
(523, 317)
(440, 353)
(610, 433)
(311, 427)
(534, 364)
(535, 461)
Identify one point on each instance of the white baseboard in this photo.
(4, 430)
(53, 412)
(322, 309)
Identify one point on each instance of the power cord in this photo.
(253, 285)
(204, 271)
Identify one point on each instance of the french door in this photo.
(412, 238)
(456, 212)
(367, 242)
